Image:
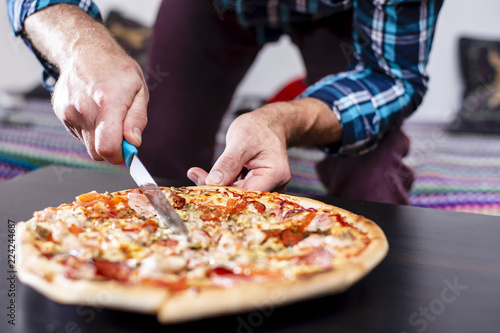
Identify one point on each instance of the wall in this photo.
(478, 18)
(280, 62)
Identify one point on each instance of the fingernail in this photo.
(215, 177)
(138, 134)
(193, 177)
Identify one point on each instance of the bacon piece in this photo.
(77, 269)
(140, 204)
(226, 243)
(157, 265)
(319, 257)
(312, 241)
(321, 222)
(254, 236)
(47, 215)
(169, 242)
(201, 237)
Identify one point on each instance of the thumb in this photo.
(136, 119)
(226, 169)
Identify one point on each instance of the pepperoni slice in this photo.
(244, 205)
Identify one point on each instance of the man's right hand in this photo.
(101, 101)
(101, 95)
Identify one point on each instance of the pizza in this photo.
(244, 249)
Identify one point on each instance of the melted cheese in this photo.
(122, 228)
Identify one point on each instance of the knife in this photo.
(166, 213)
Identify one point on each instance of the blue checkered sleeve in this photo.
(387, 78)
(19, 10)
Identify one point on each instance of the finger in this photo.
(136, 119)
(267, 179)
(85, 125)
(88, 138)
(109, 127)
(227, 167)
(71, 117)
(197, 176)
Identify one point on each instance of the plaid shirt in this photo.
(386, 79)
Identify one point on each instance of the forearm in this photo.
(101, 95)
(62, 33)
(387, 79)
(305, 121)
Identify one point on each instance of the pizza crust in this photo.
(109, 294)
(193, 305)
(173, 307)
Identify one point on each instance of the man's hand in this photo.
(101, 101)
(255, 147)
(101, 95)
(255, 156)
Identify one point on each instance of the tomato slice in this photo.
(75, 230)
(118, 271)
(117, 200)
(290, 237)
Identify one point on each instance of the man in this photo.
(365, 62)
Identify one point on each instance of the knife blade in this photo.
(166, 213)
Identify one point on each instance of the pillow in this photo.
(480, 69)
(480, 112)
(476, 65)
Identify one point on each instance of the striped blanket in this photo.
(453, 172)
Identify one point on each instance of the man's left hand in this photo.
(255, 157)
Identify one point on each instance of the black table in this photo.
(442, 274)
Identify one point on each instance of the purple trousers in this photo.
(199, 55)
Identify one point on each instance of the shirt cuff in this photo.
(331, 149)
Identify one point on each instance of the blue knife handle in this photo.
(129, 150)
